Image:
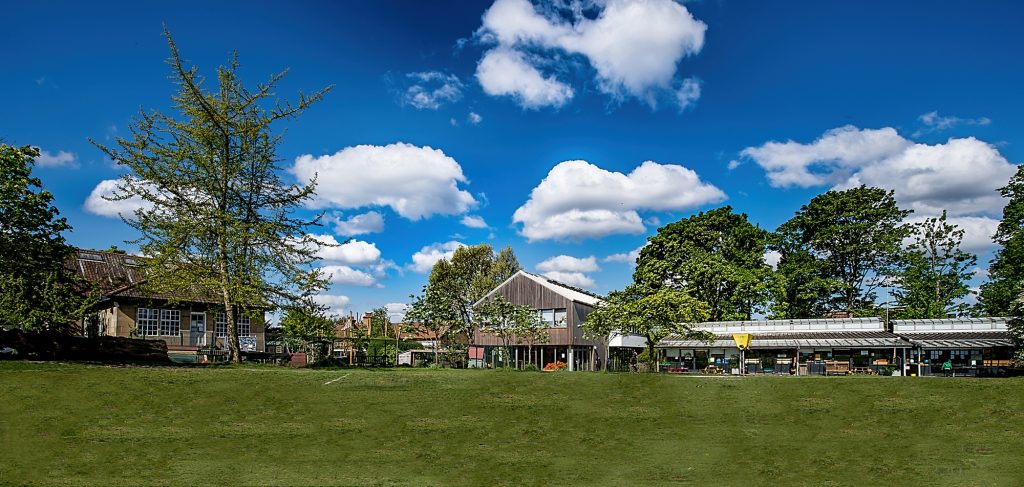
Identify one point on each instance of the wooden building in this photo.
(127, 309)
(562, 307)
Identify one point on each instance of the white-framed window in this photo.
(220, 327)
(147, 321)
(244, 326)
(170, 322)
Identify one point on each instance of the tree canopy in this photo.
(934, 280)
(717, 257)
(218, 219)
(37, 289)
(652, 314)
(1006, 271)
(838, 248)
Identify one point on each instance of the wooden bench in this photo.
(837, 368)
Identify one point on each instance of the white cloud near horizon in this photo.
(579, 200)
(335, 303)
(962, 175)
(633, 46)
(423, 260)
(415, 182)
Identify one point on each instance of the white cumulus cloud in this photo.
(626, 257)
(353, 252)
(415, 182)
(425, 259)
(577, 279)
(506, 72)
(569, 263)
(369, 222)
(60, 159)
(474, 221)
(961, 175)
(570, 270)
(634, 46)
(335, 303)
(98, 204)
(580, 200)
(345, 275)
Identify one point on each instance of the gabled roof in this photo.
(564, 290)
(115, 274)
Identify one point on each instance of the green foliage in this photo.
(836, 250)
(935, 277)
(717, 257)
(444, 308)
(219, 218)
(37, 290)
(1006, 272)
(652, 314)
(306, 326)
(509, 322)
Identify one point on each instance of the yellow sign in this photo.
(742, 340)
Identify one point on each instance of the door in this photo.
(197, 330)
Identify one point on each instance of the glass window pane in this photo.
(560, 318)
(548, 317)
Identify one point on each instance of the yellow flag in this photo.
(742, 340)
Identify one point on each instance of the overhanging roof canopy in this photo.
(950, 340)
(866, 339)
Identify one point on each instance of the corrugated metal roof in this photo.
(996, 323)
(120, 275)
(805, 325)
(960, 339)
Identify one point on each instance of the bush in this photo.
(530, 367)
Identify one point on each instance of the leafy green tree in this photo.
(652, 314)
(1006, 271)
(433, 314)
(850, 240)
(37, 289)
(935, 277)
(505, 320)
(219, 219)
(306, 323)
(716, 257)
(458, 283)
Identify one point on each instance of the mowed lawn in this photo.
(97, 425)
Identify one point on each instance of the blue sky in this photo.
(468, 109)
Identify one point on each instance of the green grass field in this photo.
(95, 425)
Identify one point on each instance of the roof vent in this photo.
(132, 262)
(88, 256)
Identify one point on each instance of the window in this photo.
(560, 318)
(147, 321)
(244, 328)
(170, 322)
(220, 325)
(553, 318)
